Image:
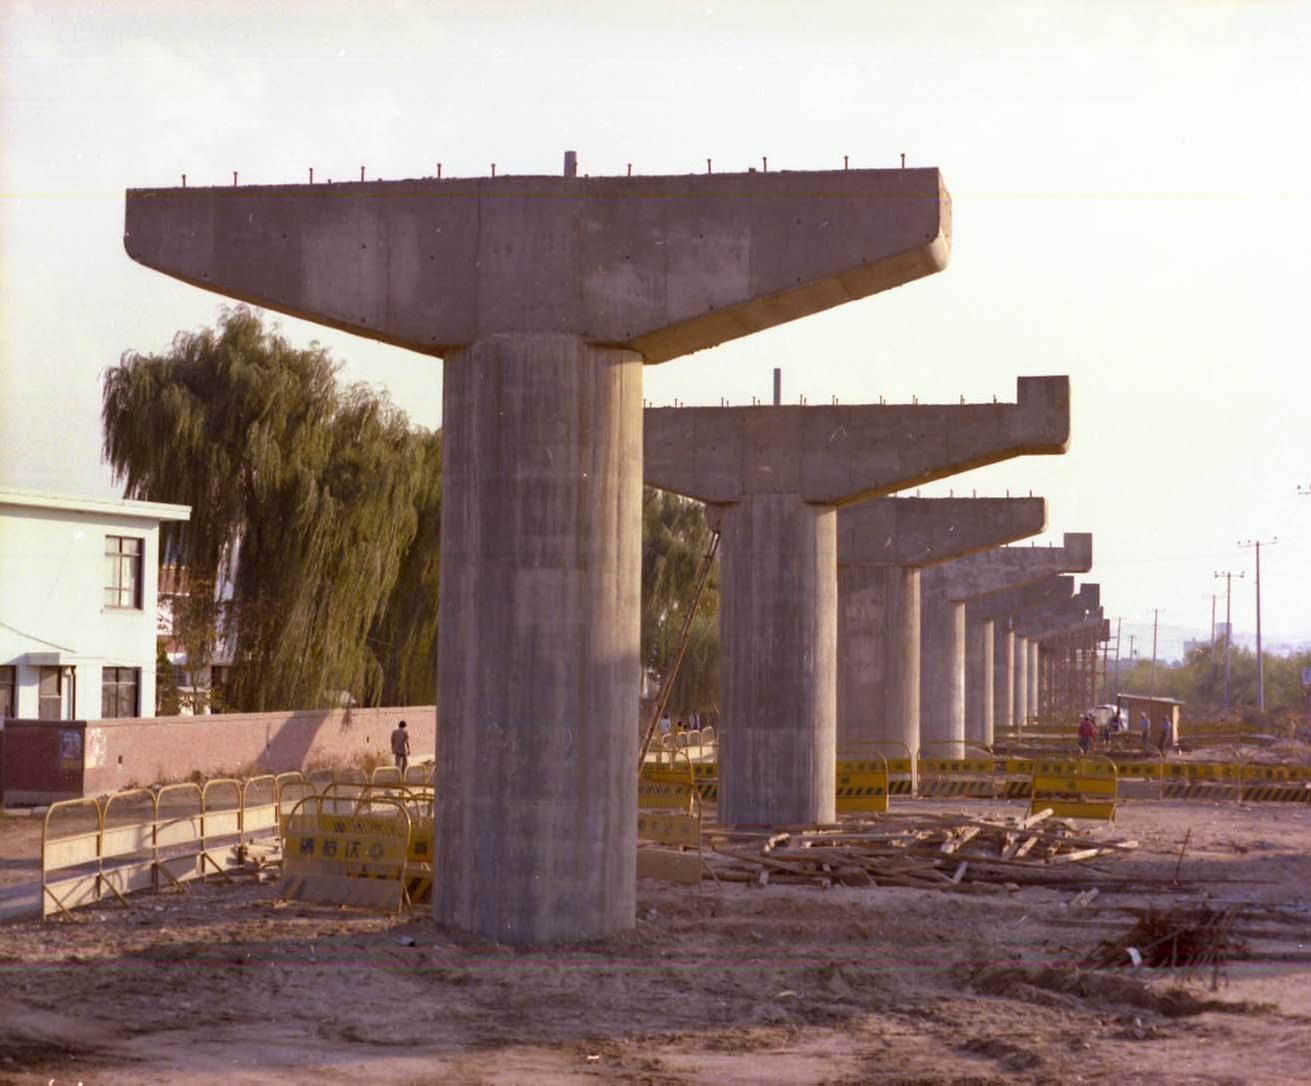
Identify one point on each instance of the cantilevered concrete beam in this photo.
(780, 473)
(882, 546)
(662, 266)
(545, 295)
(944, 591)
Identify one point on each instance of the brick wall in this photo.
(120, 753)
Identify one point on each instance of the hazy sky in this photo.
(1130, 207)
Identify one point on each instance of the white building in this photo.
(78, 592)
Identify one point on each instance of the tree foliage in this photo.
(675, 538)
(1199, 678)
(167, 699)
(309, 505)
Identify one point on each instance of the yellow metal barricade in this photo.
(179, 837)
(321, 778)
(220, 826)
(676, 766)
(360, 859)
(127, 842)
(896, 756)
(289, 790)
(259, 808)
(863, 785)
(1201, 780)
(418, 776)
(967, 771)
(1275, 783)
(1087, 792)
(669, 814)
(70, 855)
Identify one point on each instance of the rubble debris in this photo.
(1182, 938)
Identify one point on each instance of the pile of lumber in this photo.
(956, 853)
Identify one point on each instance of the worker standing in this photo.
(400, 747)
(1087, 730)
(1166, 741)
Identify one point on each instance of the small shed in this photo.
(1132, 706)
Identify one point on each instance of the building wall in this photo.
(120, 753)
(52, 609)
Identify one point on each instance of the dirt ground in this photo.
(781, 984)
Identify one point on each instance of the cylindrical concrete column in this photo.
(1020, 681)
(979, 709)
(942, 675)
(538, 672)
(1031, 672)
(878, 659)
(1003, 675)
(778, 622)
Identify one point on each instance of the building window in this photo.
(119, 687)
(123, 571)
(8, 691)
(50, 691)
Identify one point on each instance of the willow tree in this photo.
(675, 539)
(304, 502)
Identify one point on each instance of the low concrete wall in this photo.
(120, 753)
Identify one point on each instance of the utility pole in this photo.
(1156, 618)
(1117, 656)
(1260, 664)
(1106, 675)
(1229, 626)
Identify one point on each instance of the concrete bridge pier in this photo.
(1032, 671)
(980, 654)
(878, 655)
(545, 295)
(780, 475)
(541, 519)
(777, 755)
(949, 711)
(882, 546)
(1020, 680)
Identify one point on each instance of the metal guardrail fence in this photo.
(94, 849)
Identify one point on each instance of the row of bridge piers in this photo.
(848, 616)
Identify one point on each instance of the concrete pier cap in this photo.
(780, 474)
(663, 266)
(882, 546)
(546, 295)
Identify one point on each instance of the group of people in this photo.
(1119, 724)
(679, 726)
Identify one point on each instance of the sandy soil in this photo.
(20, 849)
(785, 984)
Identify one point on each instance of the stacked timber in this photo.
(953, 853)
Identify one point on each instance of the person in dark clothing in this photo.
(400, 747)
